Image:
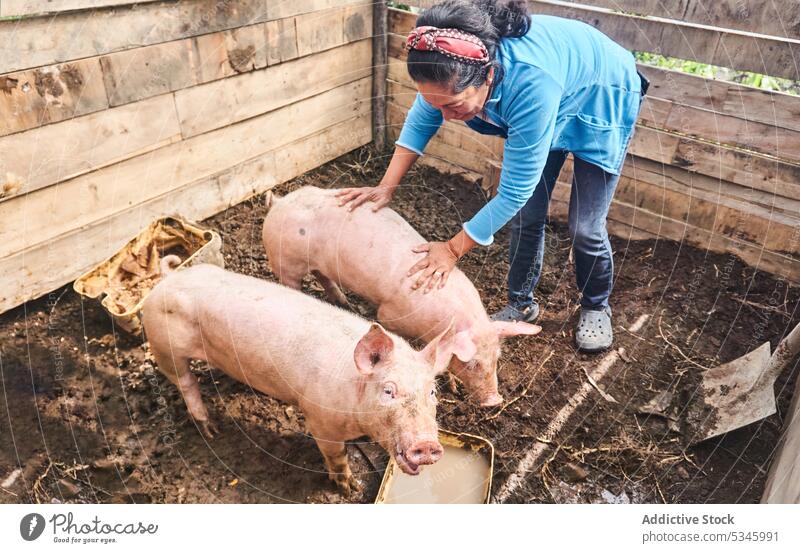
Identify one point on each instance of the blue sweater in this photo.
(564, 86)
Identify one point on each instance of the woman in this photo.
(549, 86)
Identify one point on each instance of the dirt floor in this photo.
(85, 417)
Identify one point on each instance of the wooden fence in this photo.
(712, 163)
(112, 114)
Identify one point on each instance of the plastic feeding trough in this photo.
(124, 279)
(462, 475)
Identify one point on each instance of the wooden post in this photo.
(380, 60)
(491, 177)
(783, 481)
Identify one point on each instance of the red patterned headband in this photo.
(453, 43)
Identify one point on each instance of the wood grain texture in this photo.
(37, 97)
(703, 155)
(68, 36)
(34, 272)
(734, 49)
(380, 61)
(43, 216)
(53, 153)
(139, 73)
(770, 17)
(277, 9)
(10, 8)
(217, 104)
(661, 226)
(746, 102)
(783, 480)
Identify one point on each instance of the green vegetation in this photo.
(722, 73)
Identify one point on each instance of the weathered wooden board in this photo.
(319, 28)
(53, 153)
(665, 227)
(219, 103)
(742, 167)
(455, 133)
(277, 9)
(51, 94)
(144, 72)
(721, 215)
(734, 49)
(32, 273)
(783, 481)
(746, 102)
(722, 129)
(326, 29)
(68, 36)
(44, 215)
(137, 73)
(281, 40)
(441, 146)
(9, 8)
(769, 17)
(231, 52)
(681, 179)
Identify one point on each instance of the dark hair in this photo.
(489, 20)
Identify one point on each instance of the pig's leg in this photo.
(176, 369)
(332, 290)
(335, 455)
(291, 276)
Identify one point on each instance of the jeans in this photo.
(592, 191)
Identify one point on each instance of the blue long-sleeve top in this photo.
(564, 85)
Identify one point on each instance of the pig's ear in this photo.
(374, 350)
(518, 328)
(450, 342)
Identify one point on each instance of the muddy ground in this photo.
(86, 418)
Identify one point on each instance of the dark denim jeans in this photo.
(592, 191)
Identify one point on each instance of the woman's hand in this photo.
(435, 267)
(380, 195)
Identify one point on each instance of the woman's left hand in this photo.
(435, 267)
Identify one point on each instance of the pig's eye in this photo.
(433, 393)
(389, 390)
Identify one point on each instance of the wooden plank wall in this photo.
(111, 116)
(712, 163)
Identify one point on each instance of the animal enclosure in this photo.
(112, 117)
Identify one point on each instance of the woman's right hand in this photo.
(380, 195)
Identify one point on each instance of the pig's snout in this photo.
(424, 453)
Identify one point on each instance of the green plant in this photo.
(722, 73)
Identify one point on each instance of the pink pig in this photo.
(370, 253)
(350, 377)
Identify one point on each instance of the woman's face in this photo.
(462, 106)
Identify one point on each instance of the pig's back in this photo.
(369, 253)
(278, 340)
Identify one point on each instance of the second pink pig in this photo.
(370, 254)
